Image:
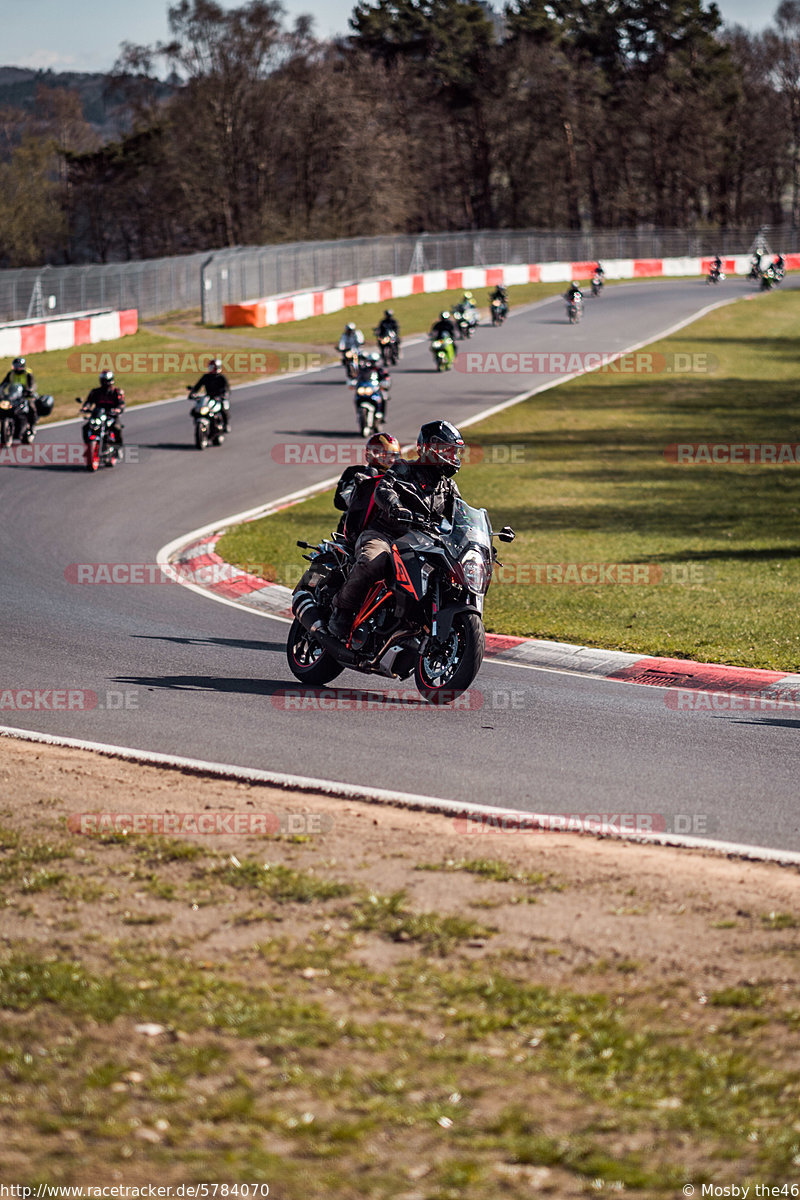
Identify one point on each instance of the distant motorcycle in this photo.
(715, 274)
(466, 320)
(102, 449)
(389, 346)
(597, 284)
(574, 310)
(370, 400)
(769, 278)
(15, 413)
(209, 419)
(498, 311)
(444, 353)
(350, 362)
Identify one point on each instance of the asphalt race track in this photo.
(176, 672)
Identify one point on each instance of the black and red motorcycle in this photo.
(426, 619)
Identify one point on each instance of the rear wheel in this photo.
(307, 660)
(447, 669)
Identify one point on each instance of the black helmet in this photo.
(439, 444)
(18, 364)
(388, 312)
(106, 377)
(214, 366)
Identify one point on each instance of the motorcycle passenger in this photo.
(216, 386)
(20, 376)
(444, 328)
(419, 492)
(109, 397)
(355, 488)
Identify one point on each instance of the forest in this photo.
(431, 115)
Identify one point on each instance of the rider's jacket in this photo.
(214, 384)
(423, 489)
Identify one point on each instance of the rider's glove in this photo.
(402, 514)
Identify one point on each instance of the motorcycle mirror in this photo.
(78, 400)
(506, 534)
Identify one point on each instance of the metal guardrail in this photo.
(228, 276)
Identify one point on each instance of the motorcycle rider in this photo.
(419, 492)
(388, 325)
(444, 327)
(216, 387)
(369, 365)
(20, 375)
(351, 338)
(598, 270)
(356, 485)
(466, 310)
(500, 293)
(109, 397)
(779, 264)
(573, 294)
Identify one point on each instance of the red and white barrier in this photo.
(275, 310)
(60, 333)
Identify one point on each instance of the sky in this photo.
(87, 36)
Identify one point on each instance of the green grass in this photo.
(596, 486)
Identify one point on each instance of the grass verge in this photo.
(339, 1041)
(594, 484)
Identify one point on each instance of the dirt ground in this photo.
(648, 925)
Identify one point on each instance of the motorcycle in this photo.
(715, 275)
(755, 271)
(350, 362)
(389, 346)
(574, 310)
(498, 311)
(465, 320)
(370, 399)
(769, 278)
(597, 284)
(444, 353)
(426, 619)
(102, 449)
(15, 411)
(209, 419)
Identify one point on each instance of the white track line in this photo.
(348, 791)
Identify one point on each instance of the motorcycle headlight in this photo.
(474, 572)
(365, 391)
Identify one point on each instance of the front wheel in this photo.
(93, 455)
(6, 431)
(445, 670)
(308, 662)
(201, 434)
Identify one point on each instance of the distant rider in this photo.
(444, 327)
(500, 294)
(216, 386)
(20, 375)
(369, 365)
(573, 294)
(388, 325)
(109, 397)
(410, 493)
